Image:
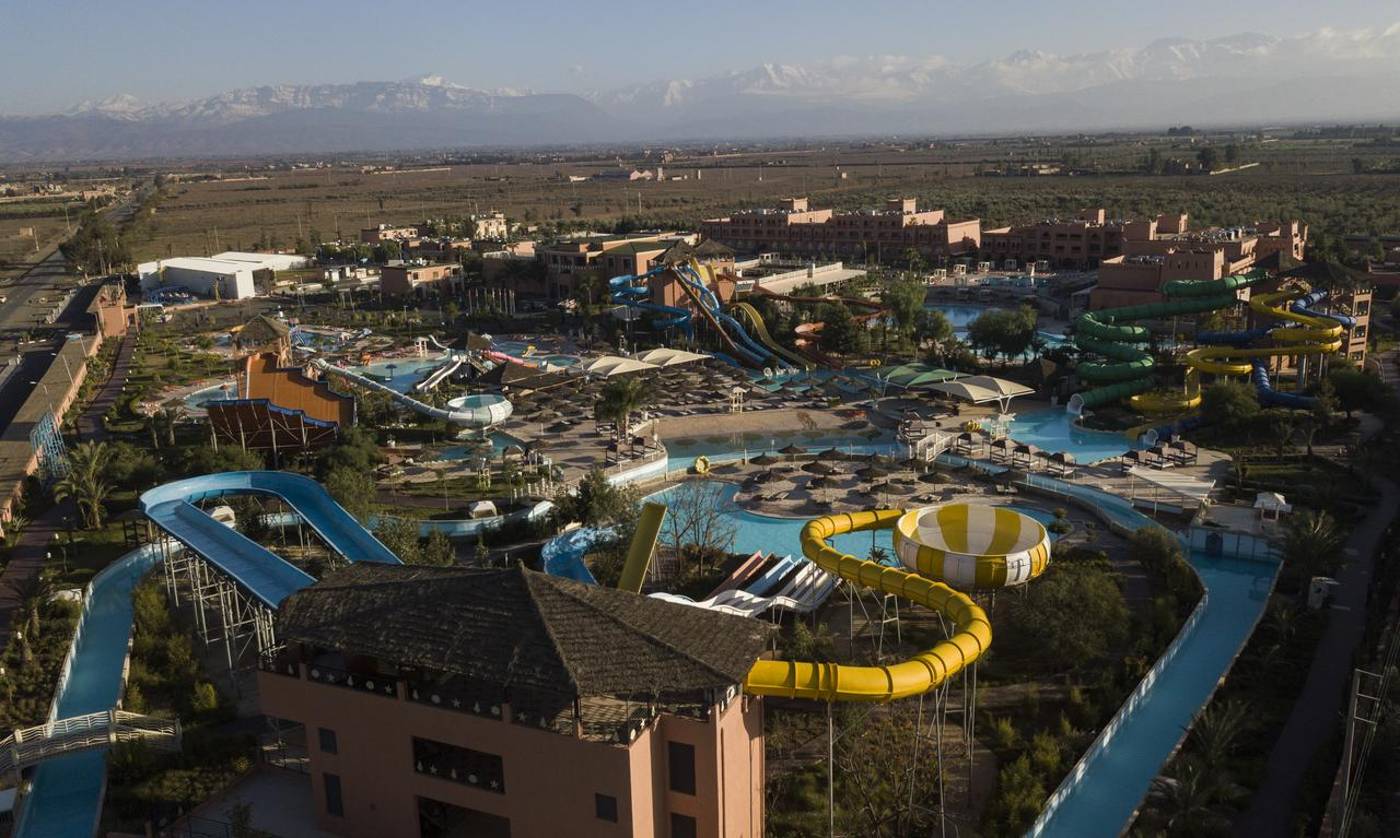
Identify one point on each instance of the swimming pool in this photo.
(500, 441)
(961, 316)
(516, 349)
(683, 450)
(1053, 430)
(199, 398)
(771, 534)
(406, 372)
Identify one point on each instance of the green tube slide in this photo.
(1107, 333)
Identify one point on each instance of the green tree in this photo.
(438, 549)
(622, 397)
(352, 489)
(1078, 613)
(1217, 730)
(905, 300)
(1229, 404)
(1003, 332)
(1208, 157)
(400, 535)
(1313, 541)
(1358, 390)
(841, 333)
(596, 501)
(935, 332)
(1190, 799)
(85, 481)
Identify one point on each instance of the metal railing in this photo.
(32, 745)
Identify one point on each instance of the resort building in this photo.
(567, 260)
(492, 225)
(498, 702)
(385, 232)
(797, 229)
(1161, 250)
(407, 280)
(1075, 243)
(110, 310)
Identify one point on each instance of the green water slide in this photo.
(1107, 333)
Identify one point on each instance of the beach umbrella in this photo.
(765, 477)
(792, 450)
(871, 472)
(763, 460)
(831, 454)
(819, 482)
(818, 467)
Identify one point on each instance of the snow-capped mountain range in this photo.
(1236, 80)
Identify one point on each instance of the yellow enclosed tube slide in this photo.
(829, 681)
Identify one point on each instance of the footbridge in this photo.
(32, 745)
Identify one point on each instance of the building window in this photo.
(605, 807)
(682, 826)
(437, 819)
(328, 743)
(335, 804)
(462, 765)
(681, 762)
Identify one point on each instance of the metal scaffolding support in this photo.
(223, 611)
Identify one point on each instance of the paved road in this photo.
(90, 426)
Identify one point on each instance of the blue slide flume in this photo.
(632, 291)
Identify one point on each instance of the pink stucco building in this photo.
(504, 702)
(888, 233)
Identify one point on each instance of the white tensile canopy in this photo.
(984, 389)
(665, 357)
(610, 365)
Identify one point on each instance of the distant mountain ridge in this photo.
(1240, 79)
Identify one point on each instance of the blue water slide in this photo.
(750, 350)
(1304, 305)
(632, 291)
(1248, 337)
(266, 575)
(1273, 398)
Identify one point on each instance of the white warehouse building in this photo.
(232, 273)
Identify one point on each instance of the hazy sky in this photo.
(55, 53)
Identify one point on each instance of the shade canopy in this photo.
(610, 365)
(665, 357)
(1178, 484)
(983, 389)
(910, 376)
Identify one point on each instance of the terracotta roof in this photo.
(519, 628)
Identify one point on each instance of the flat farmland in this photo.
(1311, 180)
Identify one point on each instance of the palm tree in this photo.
(1214, 734)
(33, 595)
(1190, 801)
(1313, 541)
(85, 481)
(621, 398)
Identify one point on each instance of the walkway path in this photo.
(1317, 710)
(90, 425)
(27, 560)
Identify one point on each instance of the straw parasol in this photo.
(763, 460)
(792, 450)
(818, 467)
(831, 454)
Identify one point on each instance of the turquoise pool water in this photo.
(406, 371)
(1053, 430)
(961, 316)
(197, 399)
(516, 349)
(754, 532)
(500, 441)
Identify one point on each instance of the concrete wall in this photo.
(550, 778)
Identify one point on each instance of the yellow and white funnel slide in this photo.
(973, 534)
(972, 547)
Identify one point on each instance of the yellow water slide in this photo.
(965, 543)
(643, 545)
(1313, 336)
(749, 313)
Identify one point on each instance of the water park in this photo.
(844, 559)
